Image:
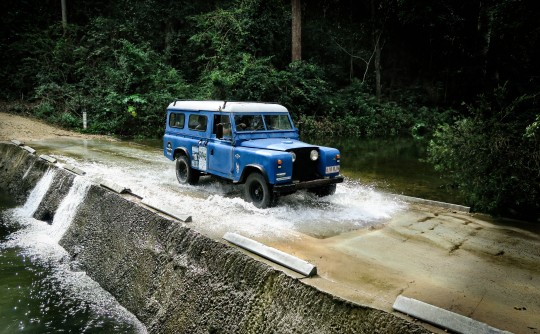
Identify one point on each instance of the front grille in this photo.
(304, 169)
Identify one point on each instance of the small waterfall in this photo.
(36, 196)
(64, 284)
(38, 237)
(68, 208)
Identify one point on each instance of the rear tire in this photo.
(184, 172)
(258, 191)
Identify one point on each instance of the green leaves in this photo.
(491, 156)
(122, 84)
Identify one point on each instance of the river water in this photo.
(43, 291)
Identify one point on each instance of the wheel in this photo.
(184, 172)
(324, 190)
(258, 192)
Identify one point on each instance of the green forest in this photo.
(463, 76)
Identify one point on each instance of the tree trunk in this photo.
(377, 47)
(485, 27)
(296, 30)
(378, 85)
(64, 15)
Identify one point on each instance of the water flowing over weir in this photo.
(174, 279)
(68, 208)
(64, 289)
(36, 195)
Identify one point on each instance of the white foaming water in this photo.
(68, 208)
(39, 241)
(218, 207)
(38, 238)
(36, 195)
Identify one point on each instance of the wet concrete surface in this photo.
(455, 261)
(369, 247)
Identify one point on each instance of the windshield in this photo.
(256, 123)
(277, 122)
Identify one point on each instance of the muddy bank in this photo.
(175, 279)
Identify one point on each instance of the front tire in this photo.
(184, 172)
(258, 191)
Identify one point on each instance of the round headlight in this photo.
(293, 156)
(314, 155)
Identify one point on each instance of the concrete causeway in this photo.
(468, 264)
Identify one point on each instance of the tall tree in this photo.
(296, 30)
(377, 32)
(64, 15)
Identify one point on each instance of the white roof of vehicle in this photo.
(227, 106)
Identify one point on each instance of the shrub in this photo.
(491, 158)
(123, 86)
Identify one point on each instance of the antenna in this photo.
(224, 104)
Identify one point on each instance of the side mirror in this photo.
(219, 131)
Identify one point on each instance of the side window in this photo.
(176, 120)
(224, 120)
(197, 122)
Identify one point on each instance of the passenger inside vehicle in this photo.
(202, 123)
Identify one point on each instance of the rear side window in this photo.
(177, 120)
(197, 122)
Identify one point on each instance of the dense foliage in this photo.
(376, 68)
(494, 154)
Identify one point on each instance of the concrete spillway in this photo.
(176, 280)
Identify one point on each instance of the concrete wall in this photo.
(176, 280)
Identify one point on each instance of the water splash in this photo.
(219, 207)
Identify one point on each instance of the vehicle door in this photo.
(220, 150)
(198, 134)
(173, 133)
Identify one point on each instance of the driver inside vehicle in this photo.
(249, 123)
(241, 123)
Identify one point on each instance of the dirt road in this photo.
(29, 129)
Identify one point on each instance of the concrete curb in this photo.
(443, 318)
(74, 169)
(114, 187)
(167, 211)
(450, 206)
(47, 158)
(17, 142)
(277, 256)
(29, 149)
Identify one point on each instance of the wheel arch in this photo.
(180, 151)
(248, 169)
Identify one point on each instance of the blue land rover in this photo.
(244, 142)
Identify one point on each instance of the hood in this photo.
(276, 144)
